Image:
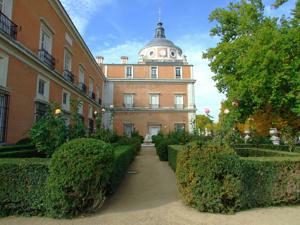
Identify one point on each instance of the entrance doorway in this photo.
(154, 130)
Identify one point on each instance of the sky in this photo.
(115, 28)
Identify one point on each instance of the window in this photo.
(43, 86)
(66, 100)
(97, 92)
(128, 100)
(179, 126)
(45, 39)
(179, 101)
(178, 72)
(129, 71)
(68, 61)
(6, 7)
(154, 101)
(69, 39)
(154, 72)
(91, 126)
(80, 107)
(81, 74)
(128, 129)
(90, 112)
(3, 70)
(4, 103)
(40, 110)
(91, 88)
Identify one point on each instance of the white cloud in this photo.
(82, 10)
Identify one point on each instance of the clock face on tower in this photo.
(163, 53)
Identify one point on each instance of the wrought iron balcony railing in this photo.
(47, 58)
(7, 26)
(68, 76)
(92, 95)
(82, 87)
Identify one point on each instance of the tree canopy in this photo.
(257, 61)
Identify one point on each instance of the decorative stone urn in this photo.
(274, 136)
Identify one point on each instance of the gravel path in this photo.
(148, 196)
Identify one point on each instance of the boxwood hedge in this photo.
(215, 179)
(173, 151)
(123, 156)
(23, 183)
(256, 152)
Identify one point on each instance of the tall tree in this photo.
(257, 61)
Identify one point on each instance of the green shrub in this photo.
(157, 138)
(22, 188)
(49, 132)
(264, 146)
(134, 141)
(162, 147)
(123, 156)
(208, 178)
(269, 181)
(173, 151)
(255, 152)
(79, 173)
(24, 141)
(213, 179)
(22, 154)
(13, 148)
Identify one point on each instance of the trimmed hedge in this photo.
(22, 154)
(264, 146)
(254, 152)
(123, 156)
(213, 179)
(79, 174)
(173, 151)
(134, 141)
(13, 148)
(162, 148)
(23, 183)
(269, 181)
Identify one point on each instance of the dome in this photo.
(160, 48)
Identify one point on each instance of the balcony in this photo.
(47, 59)
(92, 95)
(8, 27)
(68, 76)
(154, 106)
(82, 87)
(179, 106)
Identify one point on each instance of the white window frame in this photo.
(91, 85)
(66, 106)
(132, 128)
(81, 74)
(80, 106)
(44, 29)
(4, 60)
(158, 98)
(66, 53)
(7, 6)
(45, 96)
(128, 105)
(128, 77)
(180, 67)
(175, 101)
(90, 113)
(68, 39)
(156, 72)
(97, 92)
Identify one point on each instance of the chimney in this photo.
(124, 59)
(100, 59)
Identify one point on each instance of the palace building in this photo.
(156, 94)
(44, 59)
